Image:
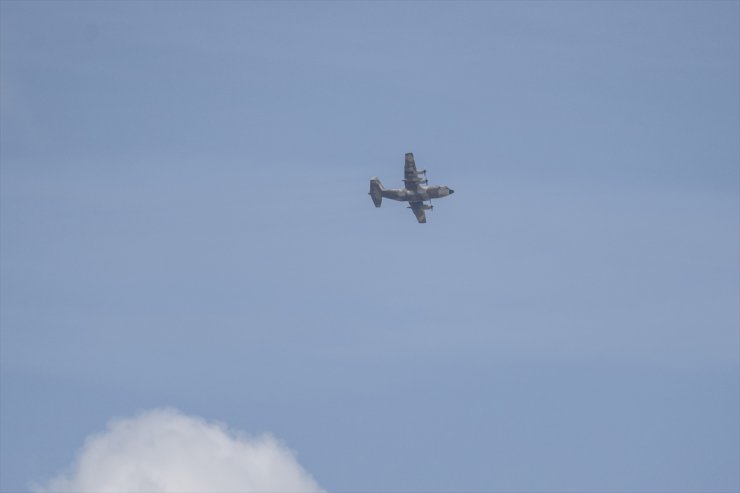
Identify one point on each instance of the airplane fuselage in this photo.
(421, 194)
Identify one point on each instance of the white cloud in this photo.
(165, 451)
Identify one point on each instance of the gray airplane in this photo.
(415, 193)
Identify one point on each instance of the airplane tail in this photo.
(376, 191)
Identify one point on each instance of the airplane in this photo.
(415, 191)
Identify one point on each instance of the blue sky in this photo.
(185, 223)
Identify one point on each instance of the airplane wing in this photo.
(410, 174)
(418, 211)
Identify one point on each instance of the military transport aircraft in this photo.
(415, 192)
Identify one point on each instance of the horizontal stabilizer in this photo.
(376, 191)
